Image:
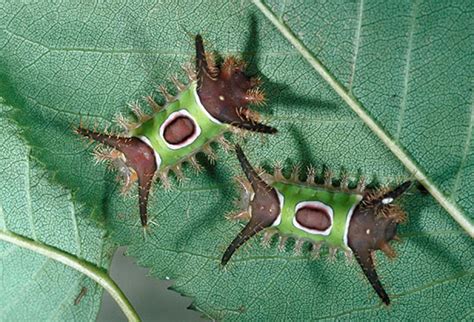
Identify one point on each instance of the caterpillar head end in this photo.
(264, 207)
(373, 225)
(225, 91)
(137, 155)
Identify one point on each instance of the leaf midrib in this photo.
(80, 265)
(451, 206)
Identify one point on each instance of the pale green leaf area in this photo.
(64, 61)
(34, 287)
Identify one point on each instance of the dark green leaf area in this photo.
(33, 286)
(64, 62)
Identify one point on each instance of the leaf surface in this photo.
(36, 287)
(409, 65)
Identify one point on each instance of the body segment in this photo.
(187, 107)
(315, 206)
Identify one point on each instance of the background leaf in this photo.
(447, 199)
(35, 287)
(409, 64)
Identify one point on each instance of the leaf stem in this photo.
(89, 269)
(357, 107)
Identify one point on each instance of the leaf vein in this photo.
(467, 146)
(406, 77)
(447, 279)
(357, 41)
(29, 205)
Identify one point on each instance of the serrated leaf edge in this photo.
(85, 267)
(89, 269)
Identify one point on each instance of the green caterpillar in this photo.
(216, 101)
(358, 221)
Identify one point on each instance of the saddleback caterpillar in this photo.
(358, 221)
(215, 102)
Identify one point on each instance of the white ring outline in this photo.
(171, 118)
(281, 198)
(348, 222)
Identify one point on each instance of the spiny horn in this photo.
(249, 231)
(264, 207)
(369, 232)
(202, 67)
(138, 155)
(255, 127)
(390, 196)
(364, 258)
(257, 183)
(224, 92)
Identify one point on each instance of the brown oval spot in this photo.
(313, 218)
(179, 130)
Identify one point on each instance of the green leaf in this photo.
(447, 199)
(63, 61)
(35, 284)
